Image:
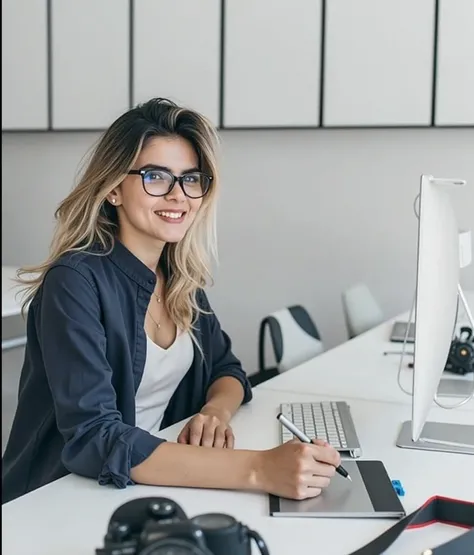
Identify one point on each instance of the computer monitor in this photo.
(436, 308)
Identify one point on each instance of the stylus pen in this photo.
(303, 437)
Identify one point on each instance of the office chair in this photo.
(361, 310)
(294, 338)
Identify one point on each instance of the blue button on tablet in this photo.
(397, 486)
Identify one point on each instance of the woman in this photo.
(122, 341)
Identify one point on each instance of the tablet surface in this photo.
(370, 495)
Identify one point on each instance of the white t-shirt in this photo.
(164, 370)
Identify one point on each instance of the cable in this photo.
(410, 319)
(405, 339)
(415, 208)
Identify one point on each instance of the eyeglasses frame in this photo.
(176, 178)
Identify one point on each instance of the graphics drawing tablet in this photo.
(370, 495)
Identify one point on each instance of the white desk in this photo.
(71, 515)
(359, 369)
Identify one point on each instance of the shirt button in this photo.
(151, 281)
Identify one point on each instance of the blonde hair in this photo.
(85, 218)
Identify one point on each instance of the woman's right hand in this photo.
(297, 470)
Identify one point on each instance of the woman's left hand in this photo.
(208, 428)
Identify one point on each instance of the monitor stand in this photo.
(441, 436)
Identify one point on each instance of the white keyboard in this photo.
(316, 420)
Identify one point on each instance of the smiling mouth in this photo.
(174, 217)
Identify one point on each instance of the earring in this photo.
(113, 200)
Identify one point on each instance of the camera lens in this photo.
(170, 546)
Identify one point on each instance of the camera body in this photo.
(461, 354)
(158, 525)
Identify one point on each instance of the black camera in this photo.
(159, 526)
(461, 354)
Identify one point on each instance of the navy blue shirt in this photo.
(84, 361)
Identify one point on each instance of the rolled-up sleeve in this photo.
(224, 362)
(98, 444)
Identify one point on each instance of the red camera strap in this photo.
(436, 509)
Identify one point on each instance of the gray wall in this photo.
(303, 214)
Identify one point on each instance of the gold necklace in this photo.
(158, 298)
(157, 324)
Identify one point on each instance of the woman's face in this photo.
(163, 219)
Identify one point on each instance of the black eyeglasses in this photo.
(159, 183)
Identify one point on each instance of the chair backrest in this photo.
(361, 310)
(293, 335)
